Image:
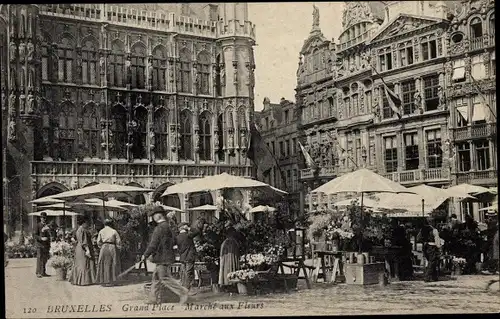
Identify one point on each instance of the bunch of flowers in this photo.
(206, 252)
(242, 275)
(458, 261)
(60, 261)
(253, 260)
(335, 232)
(275, 252)
(61, 248)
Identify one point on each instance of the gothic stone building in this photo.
(406, 45)
(136, 94)
(278, 127)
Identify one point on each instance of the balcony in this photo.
(328, 171)
(360, 38)
(306, 173)
(488, 177)
(474, 131)
(126, 172)
(482, 42)
(419, 176)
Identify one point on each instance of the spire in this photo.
(315, 26)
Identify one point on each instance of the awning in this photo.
(459, 73)
(462, 110)
(479, 113)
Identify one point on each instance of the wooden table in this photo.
(298, 265)
(327, 261)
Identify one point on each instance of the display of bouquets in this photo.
(458, 262)
(275, 252)
(61, 248)
(206, 252)
(60, 261)
(318, 226)
(242, 275)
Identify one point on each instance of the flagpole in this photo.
(474, 82)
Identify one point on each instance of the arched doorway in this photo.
(200, 199)
(50, 189)
(169, 200)
(137, 200)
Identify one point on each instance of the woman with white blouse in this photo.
(108, 267)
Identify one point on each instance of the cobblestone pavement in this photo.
(31, 297)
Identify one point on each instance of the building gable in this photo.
(315, 40)
(402, 24)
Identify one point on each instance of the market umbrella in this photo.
(361, 181)
(368, 202)
(170, 208)
(263, 209)
(493, 207)
(430, 191)
(468, 189)
(414, 204)
(101, 191)
(217, 182)
(204, 208)
(46, 200)
(112, 202)
(51, 212)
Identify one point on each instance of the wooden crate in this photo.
(367, 274)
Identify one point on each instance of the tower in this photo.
(236, 62)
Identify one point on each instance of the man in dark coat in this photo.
(161, 248)
(41, 234)
(187, 253)
(429, 236)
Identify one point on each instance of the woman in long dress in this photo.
(108, 266)
(229, 255)
(83, 273)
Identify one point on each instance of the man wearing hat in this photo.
(42, 235)
(187, 252)
(161, 248)
(429, 236)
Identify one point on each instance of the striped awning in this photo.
(479, 113)
(462, 110)
(459, 73)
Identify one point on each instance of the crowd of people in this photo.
(168, 240)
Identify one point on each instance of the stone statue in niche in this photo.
(31, 102)
(56, 134)
(216, 141)
(244, 140)
(4, 100)
(22, 23)
(103, 136)
(22, 103)
(79, 133)
(45, 139)
(11, 132)
(12, 103)
(152, 143)
(31, 51)
(150, 73)
(31, 75)
(222, 75)
(196, 141)
(173, 136)
(128, 73)
(22, 51)
(417, 101)
(442, 98)
(231, 140)
(12, 51)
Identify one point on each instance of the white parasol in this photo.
(468, 189)
(204, 208)
(51, 212)
(111, 202)
(217, 182)
(263, 208)
(46, 200)
(368, 202)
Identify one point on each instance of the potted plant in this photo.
(61, 258)
(244, 280)
(458, 265)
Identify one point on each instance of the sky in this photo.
(281, 29)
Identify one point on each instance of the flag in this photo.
(259, 153)
(394, 100)
(309, 161)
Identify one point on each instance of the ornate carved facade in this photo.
(115, 94)
(416, 50)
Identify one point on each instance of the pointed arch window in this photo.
(140, 140)
(205, 136)
(242, 122)
(204, 73)
(184, 73)
(116, 65)
(119, 116)
(186, 136)
(91, 131)
(138, 66)
(218, 84)
(161, 133)
(89, 62)
(65, 54)
(159, 68)
(67, 127)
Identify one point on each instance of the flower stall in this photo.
(61, 258)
